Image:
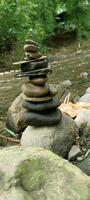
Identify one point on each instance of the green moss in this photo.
(31, 175)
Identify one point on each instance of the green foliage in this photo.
(21, 19)
(79, 15)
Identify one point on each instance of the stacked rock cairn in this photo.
(39, 101)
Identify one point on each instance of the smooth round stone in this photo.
(38, 119)
(38, 99)
(32, 55)
(34, 65)
(40, 107)
(39, 81)
(31, 90)
(30, 47)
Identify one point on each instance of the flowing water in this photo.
(68, 63)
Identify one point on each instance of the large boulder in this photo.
(38, 174)
(85, 98)
(14, 115)
(57, 138)
(83, 117)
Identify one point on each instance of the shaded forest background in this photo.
(38, 20)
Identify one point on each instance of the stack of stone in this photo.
(39, 99)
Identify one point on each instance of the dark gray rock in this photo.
(41, 119)
(35, 73)
(85, 165)
(40, 107)
(58, 138)
(34, 65)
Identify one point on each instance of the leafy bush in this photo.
(20, 19)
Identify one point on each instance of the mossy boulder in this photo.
(38, 174)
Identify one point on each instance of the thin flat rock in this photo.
(39, 72)
(34, 65)
(38, 99)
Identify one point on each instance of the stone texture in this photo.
(15, 111)
(31, 42)
(37, 99)
(85, 165)
(40, 107)
(35, 73)
(30, 47)
(41, 119)
(39, 81)
(83, 117)
(32, 55)
(38, 174)
(85, 98)
(31, 90)
(74, 153)
(58, 138)
(34, 65)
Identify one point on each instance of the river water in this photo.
(68, 63)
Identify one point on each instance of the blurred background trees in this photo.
(21, 19)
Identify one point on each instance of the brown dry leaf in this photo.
(73, 109)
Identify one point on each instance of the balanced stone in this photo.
(30, 47)
(35, 73)
(39, 81)
(31, 42)
(28, 61)
(37, 99)
(31, 90)
(40, 107)
(29, 66)
(32, 55)
(40, 119)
